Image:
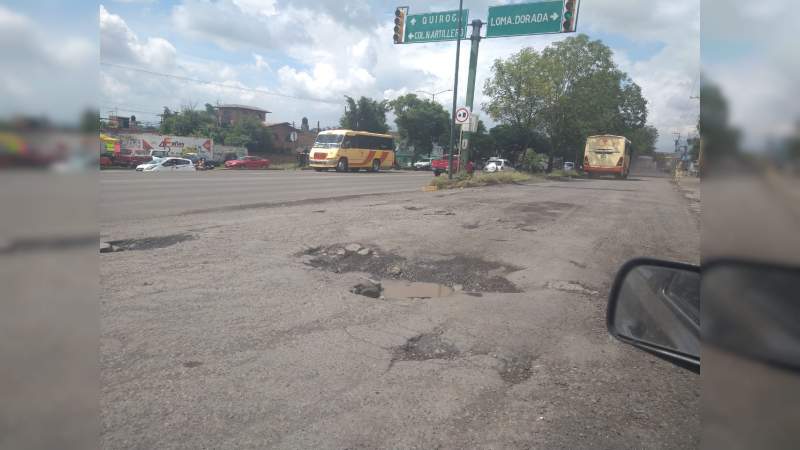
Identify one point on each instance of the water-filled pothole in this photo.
(407, 289)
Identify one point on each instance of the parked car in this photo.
(248, 162)
(569, 166)
(423, 164)
(171, 165)
(439, 166)
(497, 165)
(147, 165)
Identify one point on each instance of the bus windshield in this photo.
(328, 140)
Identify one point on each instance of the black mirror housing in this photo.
(654, 305)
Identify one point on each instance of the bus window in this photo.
(348, 141)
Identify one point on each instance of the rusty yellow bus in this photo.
(607, 155)
(348, 150)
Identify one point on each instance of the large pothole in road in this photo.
(148, 243)
(424, 347)
(465, 273)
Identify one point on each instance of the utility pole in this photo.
(475, 39)
(455, 92)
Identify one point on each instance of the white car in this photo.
(148, 164)
(171, 165)
(423, 164)
(496, 165)
(569, 166)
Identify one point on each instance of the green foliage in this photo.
(644, 140)
(534, 162)
(421, 122)
(248, 132)
(365, 114)
(511, 141)
(570, 90)
(90, 121)
(719, 138)
(467, 181)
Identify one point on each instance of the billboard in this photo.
(142, 144)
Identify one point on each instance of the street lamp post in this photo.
(434, 94)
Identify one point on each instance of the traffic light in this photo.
(569, 16)
(399, 24)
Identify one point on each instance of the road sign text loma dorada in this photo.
(521, 19)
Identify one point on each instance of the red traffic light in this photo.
(569, 16)
(399, 25)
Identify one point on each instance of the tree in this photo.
(511, 141)
(481, 143)
(247, 132)
(644, 140)
(571, 90)
(421, 123)
(365, 114)
(719, 138)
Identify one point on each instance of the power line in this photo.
(132, 110)
(212, 83)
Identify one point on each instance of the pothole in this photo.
(424, 347)
(570, 286)
(517, 368)
(470, 274)
(407, 289)
(148, 243)
(537, 212)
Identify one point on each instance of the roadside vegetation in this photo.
(486, 179)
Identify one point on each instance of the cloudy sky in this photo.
(299, 58)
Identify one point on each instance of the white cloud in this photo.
(44, 74)
(327, 49)
(261, 63)
(118, 43)
(235, 24)
(756, 67)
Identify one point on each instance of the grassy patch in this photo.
(487, 179)
(563, 174)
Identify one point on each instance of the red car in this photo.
(248, 162)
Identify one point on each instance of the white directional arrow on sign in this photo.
(413, 21)
(410, 36)
(554, 16)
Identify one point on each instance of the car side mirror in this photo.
(654, 305)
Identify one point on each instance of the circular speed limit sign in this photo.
(462, 115)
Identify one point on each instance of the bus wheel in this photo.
(342, 165)
(317, 169)
(376, 165)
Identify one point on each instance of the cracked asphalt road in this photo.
(231, 340)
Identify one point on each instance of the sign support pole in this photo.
(475, 39)
(455, 92)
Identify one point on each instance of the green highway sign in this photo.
(526, 18)
(436, 26)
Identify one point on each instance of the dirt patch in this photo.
(192, 364)
(471, 226)
(148, 243)
(413, 208)
(517, 368)
(424, 347)
(473, 274)
(528, 214)
(571, 286)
